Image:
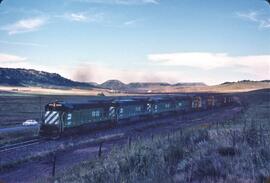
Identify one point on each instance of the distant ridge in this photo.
(31, 77)
(244, 82)
(147, 84)
(118, 85)
(190, 84)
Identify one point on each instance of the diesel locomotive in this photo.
(60, 117)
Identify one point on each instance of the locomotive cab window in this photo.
(95, 113)
(167, 105)
(138, 108)
(121, 110)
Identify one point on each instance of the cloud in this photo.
(24, 25)
(131, 22)
(22, 43)
(7, 58)
(119, 2)
(257, 65)
(100, 73)
(191, 59)
(255, 17)
(211, 68)
(82, 17)
(77, 17)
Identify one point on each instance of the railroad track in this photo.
(21, 144)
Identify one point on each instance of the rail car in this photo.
(60, 117)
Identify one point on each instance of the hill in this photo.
(114, 85)
(143, 86)
(147, 84)
(30, 77)
(190, 84)
(244, 85)
(10, 78)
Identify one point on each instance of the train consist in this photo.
(61, 117)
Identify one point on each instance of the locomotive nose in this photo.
(51, 117)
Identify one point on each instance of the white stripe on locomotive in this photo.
(111, 111)
(149, 107)
(51, 116)
(55, 119)
(47, 113)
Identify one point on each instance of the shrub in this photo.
(206, 167)
(227, 151)
(251, 136)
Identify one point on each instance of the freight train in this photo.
(60, 117)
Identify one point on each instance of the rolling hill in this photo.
(30, 77)
(10, 78)
(144, 86)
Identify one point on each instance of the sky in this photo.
(210, 41)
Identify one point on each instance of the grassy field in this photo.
(15, 109)
(18, 104)
(28, 103)
(231, 151)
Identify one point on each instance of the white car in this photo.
(30, 122)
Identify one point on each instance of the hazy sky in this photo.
(138, 40)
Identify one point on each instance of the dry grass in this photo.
(16, 109)
(59, 148)
(51, 91)
(18, 135)
(226, 88)
(234, 87)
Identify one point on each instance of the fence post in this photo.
(100, 150)
(234, 138)
(54, 163)
(40, 109)
(152, 137)
(261, 133)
